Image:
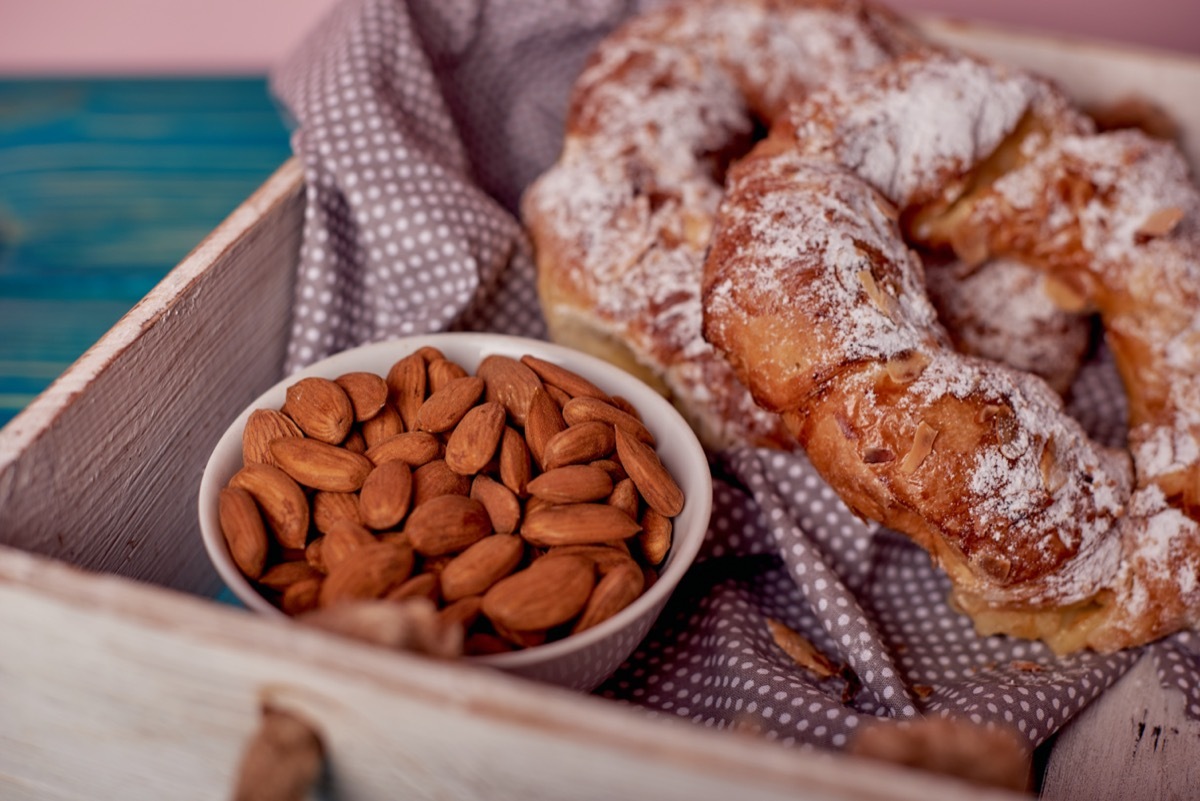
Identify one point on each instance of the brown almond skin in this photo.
(615, 590)
(385, 495)
(370, 571)
(321, 408)
(567, 380)
(547, 593)
(263, 427)
(654, 540)
(414, 448)
(407, 381)
(463, 612)
(367, 392)
(283, 503)
(606, 556)
(576, 524)
(475, 439)
(344, 538)
(443, 409)
(502, 504)
(435, 479)
(578, 444)
(651, 477)
(625, 497)
(481, 565)
(281, 576)
(423, 585)
(330, 506)
(509, 383)
(543, 422)
(244, 530)
(582, 410)
(442, 371)
(384, 425)
(301, 597)
(576, 483)
(447, 524)
(516, 468)
(321, 466)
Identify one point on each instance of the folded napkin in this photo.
(419, 124)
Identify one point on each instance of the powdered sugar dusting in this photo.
(911, 129)
(628, 209)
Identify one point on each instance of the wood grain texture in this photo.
(105, 184)
(134, 692)
(1134, 743)
(102, 470)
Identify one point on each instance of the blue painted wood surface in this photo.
(105, 184)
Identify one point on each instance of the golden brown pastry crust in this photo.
(813, 294)
(621, 223)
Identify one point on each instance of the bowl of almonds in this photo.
(540, 500)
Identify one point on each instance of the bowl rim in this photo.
(658, 412)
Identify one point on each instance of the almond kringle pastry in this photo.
(815, 295)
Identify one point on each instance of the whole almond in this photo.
(481, 565)
(301, 596)
(283, 503)
(462, 612)
(330, 506)
(515, 466)
(576, 483)
(543, 422)
(447, 524)
(385, 495)
(435, 479)
(547, 593)
(370, 571)
(606, 556)
(313, 554)
(355, 442)
(509, 383)
(651, 477)
(578, 444)
(244, 530)
(321, 408)
(443, 409)
(582, 410)
(343, 539)
(414, 448)
(612, 467)
(615, 590)
(368, 393)
(567, 380)
(576, 524)
(625, 497)
(422, 585)
(502, 505)
(406, 381)
(654, 540)
(320, 465)
(475, 439)
(262, 428)
(281, 576)
(442, 371)
(384, 425)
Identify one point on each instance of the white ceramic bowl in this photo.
(583, 660)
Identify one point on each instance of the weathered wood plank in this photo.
(102, 470)
(131, 692)
(1134, 743)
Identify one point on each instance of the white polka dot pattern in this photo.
(418, 126)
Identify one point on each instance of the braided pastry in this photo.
(813, 294)
(621, 223)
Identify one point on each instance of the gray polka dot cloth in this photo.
(418, 125)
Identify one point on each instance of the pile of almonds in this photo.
(524, 501)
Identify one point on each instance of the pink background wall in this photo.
(180, 36)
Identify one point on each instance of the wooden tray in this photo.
(120, 677)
